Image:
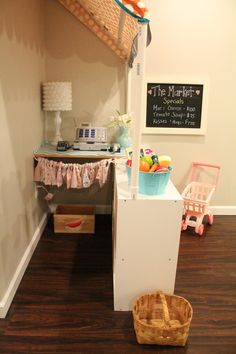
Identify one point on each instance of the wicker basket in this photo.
(162, 319)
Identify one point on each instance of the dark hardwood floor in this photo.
(64, 303)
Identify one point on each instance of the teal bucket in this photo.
(151, 183)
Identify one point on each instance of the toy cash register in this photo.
(91, 138)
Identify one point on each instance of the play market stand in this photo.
(146, 234)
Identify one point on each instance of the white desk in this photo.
(49, 151)
(103, 199)
(146, 234)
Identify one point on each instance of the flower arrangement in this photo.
(121, 120)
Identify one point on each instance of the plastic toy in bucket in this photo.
(151, 183)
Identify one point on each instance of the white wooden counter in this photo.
(146, 234)
(49, 151)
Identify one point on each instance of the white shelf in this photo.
(146, 233)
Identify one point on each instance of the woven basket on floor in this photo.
(162, 319)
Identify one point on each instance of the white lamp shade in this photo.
(57, 96)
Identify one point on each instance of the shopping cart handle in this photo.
(206, 165)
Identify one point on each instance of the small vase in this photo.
(124, 138)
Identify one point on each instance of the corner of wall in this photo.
(5, 303)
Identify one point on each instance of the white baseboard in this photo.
(223, 210)
(16, 279)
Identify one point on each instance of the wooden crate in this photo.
(74, 219)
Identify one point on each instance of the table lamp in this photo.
(57, 97)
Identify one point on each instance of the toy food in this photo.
(143, 166)
(154, 167)
(148, 152)
(150, 162)
(148, 159)
(129, 163)
(154, 158)
(164, 161)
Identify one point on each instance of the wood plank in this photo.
(64, 302)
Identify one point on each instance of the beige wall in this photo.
(191, 39)
(198, 39)
(98, 86)
(22, 56)
(77, 55)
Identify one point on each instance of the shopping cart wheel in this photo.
(184, 225)
(200, 230)
(210, 219)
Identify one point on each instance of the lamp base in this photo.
(56, 139)
(57, 122)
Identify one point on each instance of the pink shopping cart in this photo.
(197, 195)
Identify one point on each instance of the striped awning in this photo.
(105, 19)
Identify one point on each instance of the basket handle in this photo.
(165, 308)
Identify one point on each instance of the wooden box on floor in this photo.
(74, 219)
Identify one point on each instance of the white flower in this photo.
(121, 120)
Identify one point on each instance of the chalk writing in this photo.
(174, 105)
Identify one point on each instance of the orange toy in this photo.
(135, 7)
(144, 166)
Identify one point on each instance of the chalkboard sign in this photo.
(175, 107)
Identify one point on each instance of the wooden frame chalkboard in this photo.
(175, 108)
